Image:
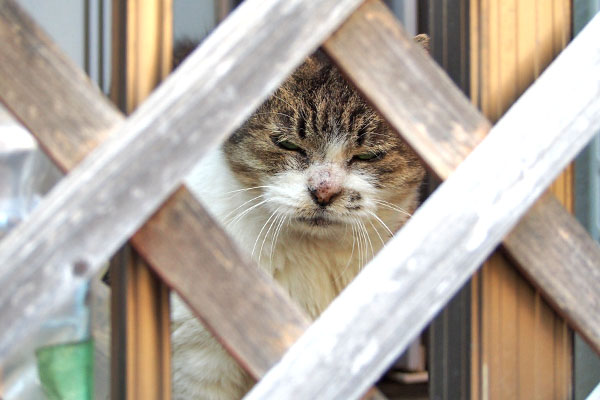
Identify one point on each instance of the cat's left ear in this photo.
(423, 40)
(313, 65)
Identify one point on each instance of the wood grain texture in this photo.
(449, 236)
(438, 121)
(575, 293)
(142, 37)
(526, 346)
(92, 211)
(141, 332)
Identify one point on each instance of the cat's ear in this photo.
(423, 40)
(317, 60)
(313, 65)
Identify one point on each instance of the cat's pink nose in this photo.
(324, 186)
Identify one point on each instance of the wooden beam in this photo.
(443, 127)
(142, 44)
(102, 201)
(450, 235)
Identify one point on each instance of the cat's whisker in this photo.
(267, 234)
(393, 207)
(382, 223)
(277, 224)
(276, 237)
(247, 189)
(364, 228)
(246, 212)
(377, 232)
(341, 274)
(358, 242)
(242, 205)
(361, 244)
(366, 242)
(353, 243)
(276, 233)
(261, 231)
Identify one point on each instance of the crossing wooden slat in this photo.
(443, 127)
(449, 236)
(89, 214)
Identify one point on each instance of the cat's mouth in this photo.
(317, 221)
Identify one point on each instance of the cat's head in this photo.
(323, 158)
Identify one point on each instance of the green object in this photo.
(66, 370)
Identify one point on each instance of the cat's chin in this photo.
(321, 227)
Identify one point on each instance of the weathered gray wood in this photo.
(436, 118)
(275, 322)
(109, 195)
(409, 281)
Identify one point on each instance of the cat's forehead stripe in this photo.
(301, 128)
(335, 150)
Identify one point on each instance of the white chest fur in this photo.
(313, 270)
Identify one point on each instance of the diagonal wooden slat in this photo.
(445, 241)
(108, 195)
(443, 127)
(275, 321)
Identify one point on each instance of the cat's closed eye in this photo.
(286, 144)
(369, 156)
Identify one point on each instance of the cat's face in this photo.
(322, 158)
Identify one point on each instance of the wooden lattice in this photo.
(139, 162)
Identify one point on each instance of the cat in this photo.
(311, 187)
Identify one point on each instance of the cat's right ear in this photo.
(423, 40)
(183, 48)
(314, 64)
